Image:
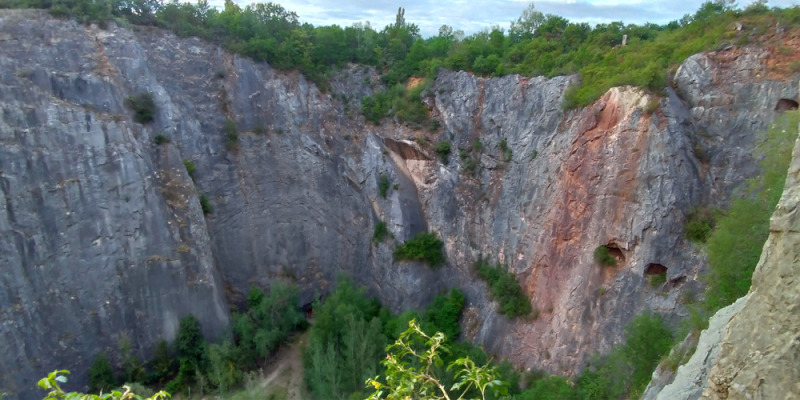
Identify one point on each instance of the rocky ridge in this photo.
(107, 241)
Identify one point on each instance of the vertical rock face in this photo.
(104, 239)
(691, 378)
(760, 354)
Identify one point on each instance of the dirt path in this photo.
(284, 376)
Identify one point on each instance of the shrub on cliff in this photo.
(383, 184)
(423, 247)
(143, 107)
(504, 288)
(602, 255)
(443, 150)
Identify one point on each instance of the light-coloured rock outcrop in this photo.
(691, 378)
(759, 357)
(104, 239)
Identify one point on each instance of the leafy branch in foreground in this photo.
(51, 383)
(411, 371)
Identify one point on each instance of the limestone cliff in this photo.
(104, 239)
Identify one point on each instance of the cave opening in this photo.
(616, 252)
(786, 105)
(655, 269)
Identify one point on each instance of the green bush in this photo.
(205, 204)
(161, 139)
(383, 184)
(504, 288)
(443, 149)
(700, 224)
(381, 232)
(190, 168)
(423, 247)
(603, 256)
(143, 106)
(505, 151)
(231, 132)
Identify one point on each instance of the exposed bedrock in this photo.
(104, 239)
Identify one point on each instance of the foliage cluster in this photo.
(190, 168)
(424, 246)
(504, 288)
(266, 323)
(205, 204)
(443, 150)
(505, 151)
(383, 184)
(700, 223)
(231, 133)
(534, 44)
(143, 106)
(160, 139)
(734, 247)
(381, 232)
(602, 255)
(345, 344)
(626, 370)
(347, 341)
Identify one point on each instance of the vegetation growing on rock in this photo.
(424, 246)
(504, 288)
(602, 255)
(144, 107)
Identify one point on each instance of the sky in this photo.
(473, 16)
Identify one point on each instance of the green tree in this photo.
(101, 375)
(345, 343)
(268, 321)
(191, 346)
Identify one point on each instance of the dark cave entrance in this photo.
(655, 269)
(786, 105)
(616, 252)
